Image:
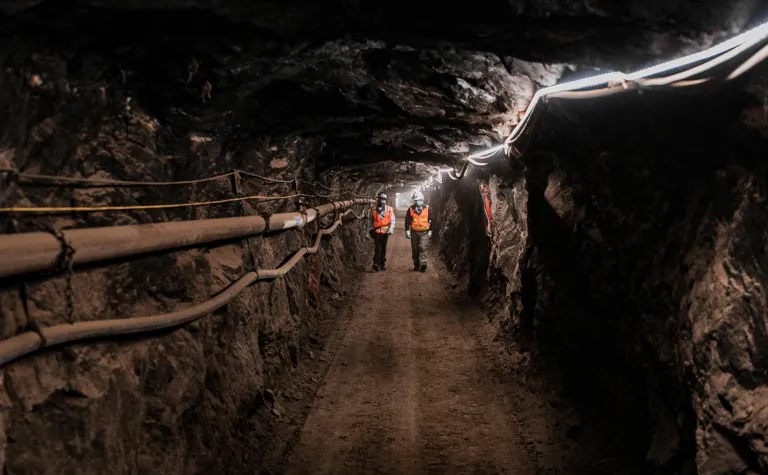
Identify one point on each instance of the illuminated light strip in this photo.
(727, 50)
(487, 153)
(700, 68)
(750, 38)
(752, 35)
(475, 162)
(749, 64)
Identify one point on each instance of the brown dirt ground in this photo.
(409, 379)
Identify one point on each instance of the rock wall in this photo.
(630, 256)
(463, 240)
(189, 400)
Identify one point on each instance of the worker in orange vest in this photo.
(418, 228)
(381, 224)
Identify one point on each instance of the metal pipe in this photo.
(29, 342)
(37, 251)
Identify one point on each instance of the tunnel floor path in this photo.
(409, 390)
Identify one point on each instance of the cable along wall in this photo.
(30, 252)
(720, 64)
(32, 341)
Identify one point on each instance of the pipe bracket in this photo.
(64, 264)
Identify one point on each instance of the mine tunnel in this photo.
(189, 207)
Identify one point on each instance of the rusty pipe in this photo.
(37, 251)
(30, 342)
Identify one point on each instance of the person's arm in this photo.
(408, 219)
(432, 222)
(392, 224)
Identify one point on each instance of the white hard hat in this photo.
(417, 195)
(382, 196)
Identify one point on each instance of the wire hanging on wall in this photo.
(613, 83)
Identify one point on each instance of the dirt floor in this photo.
(409, 381)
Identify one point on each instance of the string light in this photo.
(616, 82)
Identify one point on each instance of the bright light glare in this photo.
(487, 153)
(735, 46)
(752, 36)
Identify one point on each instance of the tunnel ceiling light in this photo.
(608, 82)
(487, 153)
(754, 35)
(741, 43)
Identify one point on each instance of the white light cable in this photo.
(721, 53)
(750, 38)
(749, 64)
(487, 153)
(663, 81)
(754, 35)
(475, 162)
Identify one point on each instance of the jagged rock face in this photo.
(631, 251)
(361, 101)
(464, 232)
(181, 401)
(391, 93)
(660, 231)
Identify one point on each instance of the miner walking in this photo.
(381, 224)
(418, 228)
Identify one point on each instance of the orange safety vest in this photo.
(420, 222)
(381, 224)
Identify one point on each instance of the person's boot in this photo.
(415, 267)
(383, 266)
(375, 267)
(423, 268)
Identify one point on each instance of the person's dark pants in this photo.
(419, 245)
(379, 249)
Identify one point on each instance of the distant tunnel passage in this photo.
(408, 391)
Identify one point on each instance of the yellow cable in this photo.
(86, 209)
(111, 182)
(108, 182)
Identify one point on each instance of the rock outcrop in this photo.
(630, 254)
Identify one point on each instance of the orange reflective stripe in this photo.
(381, 224)
(420, 222)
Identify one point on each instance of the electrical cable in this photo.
(475, 162)
(25, 178)
(107, 182)
(617, 82)
(688, 73)
(750, 63)
(749, 38)
(31, 341)
(92, 209)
